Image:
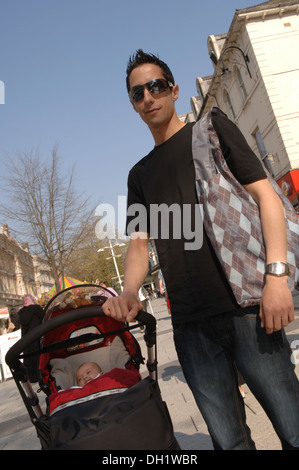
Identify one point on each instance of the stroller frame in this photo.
(150, 387)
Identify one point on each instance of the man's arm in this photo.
(277, 306)
(126, 306)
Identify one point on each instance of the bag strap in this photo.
(204, 163)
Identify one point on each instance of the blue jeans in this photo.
(212, 352)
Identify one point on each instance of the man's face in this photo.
(155, 110)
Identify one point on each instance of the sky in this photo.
(63, 63)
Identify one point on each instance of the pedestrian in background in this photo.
(30, 316)
(107, 291)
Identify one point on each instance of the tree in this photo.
(49, 212)
(88, 264)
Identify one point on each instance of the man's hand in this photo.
(123, 308)
(126, 306)
(277, 305)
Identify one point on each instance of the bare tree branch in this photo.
(47, 209)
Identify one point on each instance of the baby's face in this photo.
(87, 372)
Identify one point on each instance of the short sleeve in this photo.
(137, 214)
(242, 161)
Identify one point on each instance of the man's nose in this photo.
(147, 95)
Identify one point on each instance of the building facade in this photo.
(256, 83)
(20, 272)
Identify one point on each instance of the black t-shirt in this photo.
(195, 282)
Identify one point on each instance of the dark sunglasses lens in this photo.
(156, 86)
(137, 93)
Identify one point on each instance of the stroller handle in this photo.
(12, 355)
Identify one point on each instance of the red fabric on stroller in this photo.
(111, 382)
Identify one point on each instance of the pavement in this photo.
(17, 432)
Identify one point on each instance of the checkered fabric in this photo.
(232, 219)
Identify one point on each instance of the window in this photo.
(91, 331)
(21, 287)
(241, 83)
(262, 150)
(230, 105)
(260, 143)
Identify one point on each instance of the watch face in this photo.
(278, 269)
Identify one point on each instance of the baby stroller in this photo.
(116, 411)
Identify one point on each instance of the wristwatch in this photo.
(278, 269)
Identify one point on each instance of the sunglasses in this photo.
(156, 87)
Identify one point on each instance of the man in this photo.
(212, 333)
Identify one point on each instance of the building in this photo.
(256, 83)
(20, 272)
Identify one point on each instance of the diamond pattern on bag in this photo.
(232, 219)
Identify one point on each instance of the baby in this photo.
(87, 372)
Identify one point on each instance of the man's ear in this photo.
(175, 92)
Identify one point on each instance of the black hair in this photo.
(140, 58)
